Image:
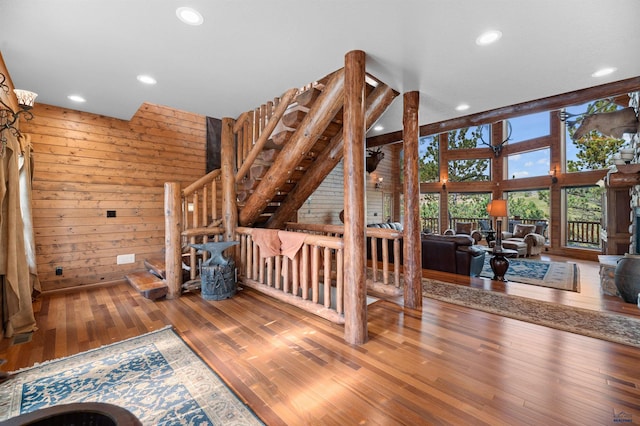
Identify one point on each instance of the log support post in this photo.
(355, 298)
(227, 155)
(172, 229)
(411, 235)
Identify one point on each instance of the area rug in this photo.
(601, 325)
(156, 376)
(560, 275)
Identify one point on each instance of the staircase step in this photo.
(147, 284)
(156, 264)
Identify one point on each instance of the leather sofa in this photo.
(452, 253)
(447, 253)
(524, 235)
(397, 226)
(464, 228)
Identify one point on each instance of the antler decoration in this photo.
(497, 149)
(564, 115)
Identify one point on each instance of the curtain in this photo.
(18, 274)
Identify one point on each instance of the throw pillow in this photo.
(463, 228)
(521, 230)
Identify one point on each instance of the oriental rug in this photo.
(601, 325)
(559, 275)
(156, 376)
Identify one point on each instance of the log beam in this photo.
(377, 103)
(319, 117)
(287, 98)
(411, 241)
(173, 250)
(227, 153)
(355, 276)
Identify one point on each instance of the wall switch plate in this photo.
(123, 259)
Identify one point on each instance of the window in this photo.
(468, 207)
(469, 170)
(584, 214)
(529, 164)
(430, 212)
(529, 126)
(529, 207)
(469, 137)
(428, 163)
(594, 151)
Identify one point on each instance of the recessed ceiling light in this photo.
(378, 128)
(76, 98)
(189, 16)
(462, 107)
(488, 37)
(146, 79)
(604, 71)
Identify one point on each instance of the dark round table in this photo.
(499, 263)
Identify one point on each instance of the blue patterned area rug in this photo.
(156, 376)
(563, 276)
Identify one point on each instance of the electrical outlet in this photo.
(123, 259)
(58, 270)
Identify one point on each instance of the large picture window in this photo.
(528, 164)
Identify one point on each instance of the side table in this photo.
(500, 264)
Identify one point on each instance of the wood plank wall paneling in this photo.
(86, 164)
(325, 204)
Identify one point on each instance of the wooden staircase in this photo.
(283, 151)
(305, 146)
(151, 283)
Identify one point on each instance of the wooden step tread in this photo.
(156, 264)
(147, 284)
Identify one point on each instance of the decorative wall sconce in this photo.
(554, 178)
(378, 185)
(8, 116)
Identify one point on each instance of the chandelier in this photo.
(9, 117)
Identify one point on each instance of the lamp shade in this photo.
(497, 208)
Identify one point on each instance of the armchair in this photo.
(464, 228)
(524, 236)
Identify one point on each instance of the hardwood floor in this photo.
(444, 365)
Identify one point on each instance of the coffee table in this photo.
(499, 262)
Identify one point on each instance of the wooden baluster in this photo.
(374, 258)
(295, 267)
(250, 257)
(205, 206)
(304, 278)
(256, 261)
(286, 276)
(278, 271)
(339, 281)
(396, 266)
(315, 271)
(269, 272)
(327, 277)
(192, 259)
(385, 261)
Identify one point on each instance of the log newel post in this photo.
(411, 235)
(355, 298)
(172, 230)
(229, 205)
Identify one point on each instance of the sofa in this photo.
(524, 240)
(452, 253)
(446, 253)
(464, 228)
(397, 226)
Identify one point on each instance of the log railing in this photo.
(312, 280)
(583, 233)
(383, 275)
(193, 215)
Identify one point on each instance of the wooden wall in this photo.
(325, 204)
(86, 165)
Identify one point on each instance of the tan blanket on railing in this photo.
(291, 242)
(267, 240)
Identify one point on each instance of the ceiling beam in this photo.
(544, 104)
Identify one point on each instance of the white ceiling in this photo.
(249, 51)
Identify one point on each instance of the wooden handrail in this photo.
(204, 180)
(287, 98)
